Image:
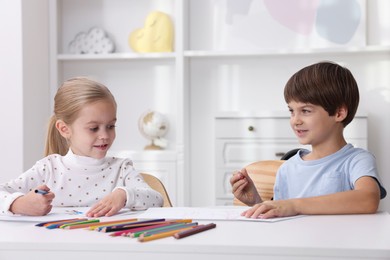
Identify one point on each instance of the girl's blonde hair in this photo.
(73, 95)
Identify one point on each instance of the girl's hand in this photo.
(33, 204)
(108, 206)
(243, 188)
(272, 209)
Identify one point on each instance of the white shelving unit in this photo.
(191, 85)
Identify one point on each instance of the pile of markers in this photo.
(143, 230)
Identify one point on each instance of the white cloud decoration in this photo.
(95, 41)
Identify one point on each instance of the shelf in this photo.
(288, 52)
(207, 54)
(115, 56)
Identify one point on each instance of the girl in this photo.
(76, 171)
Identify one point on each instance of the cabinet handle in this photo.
(251, 128)
(279, 154)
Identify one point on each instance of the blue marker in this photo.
(43, 192)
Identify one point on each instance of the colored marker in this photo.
(43, 192)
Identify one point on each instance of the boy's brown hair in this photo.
(325, 84)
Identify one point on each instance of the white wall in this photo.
(35, 78)
(11, 89)
(24, 99)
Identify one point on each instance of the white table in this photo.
(309, 237)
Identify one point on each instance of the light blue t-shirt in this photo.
(337, 172)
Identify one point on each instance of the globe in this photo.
(154, 126)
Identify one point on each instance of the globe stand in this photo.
(152, 146)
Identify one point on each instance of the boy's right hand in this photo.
(33, 204)
(244, 189)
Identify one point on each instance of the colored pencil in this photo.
(126, 226)
(168, 228)
(57, 221)
(58, 224)
(79, 223)
(134, 223)
(194, 231)
(161, 235)
(127, 232)
(109, 223)
(173, 225)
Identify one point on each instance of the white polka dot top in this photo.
(79, 181)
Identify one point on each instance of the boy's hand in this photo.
(243, 188)
(108, 206)
(272, 209)
(33, 204)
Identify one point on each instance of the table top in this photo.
(324, 237)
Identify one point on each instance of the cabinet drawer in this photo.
(253, 128)
(239, 152)
(275, 128)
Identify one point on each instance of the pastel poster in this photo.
(290, 24)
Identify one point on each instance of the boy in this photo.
(332, 178)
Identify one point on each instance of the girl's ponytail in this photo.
(55, 143)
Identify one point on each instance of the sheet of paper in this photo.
(63, 213)
(204, 213)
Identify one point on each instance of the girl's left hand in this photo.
(108, 206)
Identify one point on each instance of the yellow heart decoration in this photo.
(155, 36)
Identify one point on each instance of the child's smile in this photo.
(93, 133)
